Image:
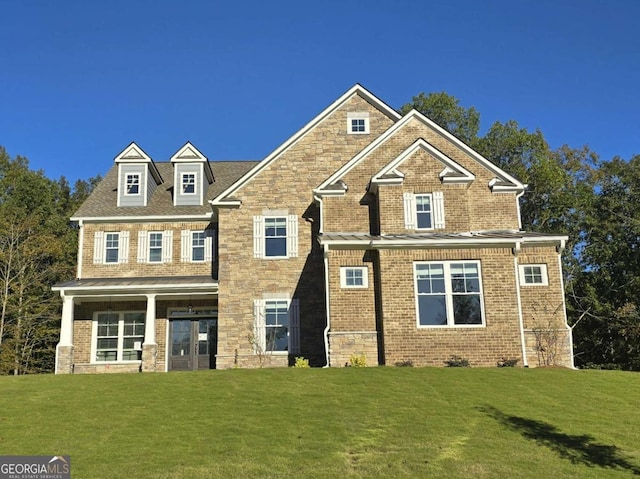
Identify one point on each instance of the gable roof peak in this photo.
(190, 154)
(133, 154)
(227, 197)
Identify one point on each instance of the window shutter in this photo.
(292, 236)
(409, 211)
(260, 342)
(98, 247)
(185, 246)
(208, 244)
(294, 325)
(167, 246)
(258, 237)
(438, 210)
(142, 246)
(124, 247)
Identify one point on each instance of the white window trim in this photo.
(543, 272)
(144, 247)
(259, 324)
(186, 246)
(94, 338)
(358, 116)
(411, 213)
(259, 237)
(126, 184)
(100, 247)
(448, 296)
(195, 183)
(365, 277)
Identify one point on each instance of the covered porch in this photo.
(137, 324)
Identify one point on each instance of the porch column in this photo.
(149, 347)
(64, 348)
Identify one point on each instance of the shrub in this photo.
(357, 361)
(457, 362)
(301, 362)
(507, 363)
(407, 363)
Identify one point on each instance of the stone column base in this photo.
(149, 354)
(64, 359)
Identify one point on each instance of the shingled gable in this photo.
(503, 182)
(452, 173)
(226, 198)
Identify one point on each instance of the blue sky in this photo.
(79, 79)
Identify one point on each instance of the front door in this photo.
(193, 344)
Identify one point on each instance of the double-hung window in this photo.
(275, 236)
(448, 293)
(132, 184)
(118, 336)
(155, 246)
(188, 183)
(277, 325)
(424, 211)
(533, 275)
(197, 246)
(111, 247)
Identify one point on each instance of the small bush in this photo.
(507, 363)
(457, 362)
(357, 361)
(301, 362)
(407, 363)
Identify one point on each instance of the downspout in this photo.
(516, 250)
(560, 249)
(80, 247)
(325, 255)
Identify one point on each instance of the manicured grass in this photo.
(330, 423)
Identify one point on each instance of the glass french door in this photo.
(193, 344)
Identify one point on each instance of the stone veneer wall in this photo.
(286, 184)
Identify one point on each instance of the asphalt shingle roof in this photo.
(103, 200)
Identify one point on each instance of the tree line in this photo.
(38, 247)
(571, 191)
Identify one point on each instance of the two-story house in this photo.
(367, 233)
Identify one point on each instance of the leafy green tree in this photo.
(37, 249)
(608, 287)
(446, 111)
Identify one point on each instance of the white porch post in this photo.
(66, 325)
(150, 321)
(149, 347)
(64, 348)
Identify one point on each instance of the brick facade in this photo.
(324, 178)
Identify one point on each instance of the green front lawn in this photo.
(330, 423)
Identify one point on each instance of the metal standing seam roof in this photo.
(131, 285)
(427, 238)
(102, 202)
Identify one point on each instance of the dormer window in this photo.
(188, 184)
(133, 184)
(358, 123)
